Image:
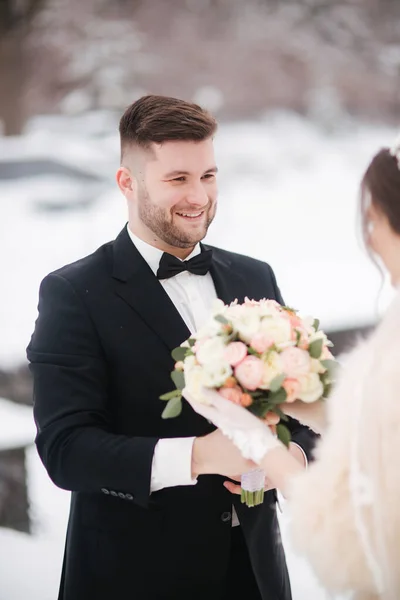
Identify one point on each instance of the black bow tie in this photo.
(170, 265)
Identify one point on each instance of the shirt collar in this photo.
(151, 254)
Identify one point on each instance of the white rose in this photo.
(277, 328)
(270, 308)
(194, 382)
(272, 368)
(311, 388)
(318, 335)
(316, 366)
(211, 351)
(247, 324)
(218, 307)
(189, 362)
(215, 375)
(210, 329)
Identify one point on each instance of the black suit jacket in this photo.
(101, 357)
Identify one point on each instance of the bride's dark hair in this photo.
(380, 186)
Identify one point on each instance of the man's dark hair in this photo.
(157, 119)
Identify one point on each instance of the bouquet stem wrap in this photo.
(253, 484)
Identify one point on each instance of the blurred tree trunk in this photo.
(15, 19)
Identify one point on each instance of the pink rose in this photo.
(249, 372)
(295, 321)
(292, 388)
(261, 342)
(233, 394)
(295, 362)
(235, 352)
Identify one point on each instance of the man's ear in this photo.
(126, 182)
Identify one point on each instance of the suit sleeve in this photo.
(301, 435)
(71, 398)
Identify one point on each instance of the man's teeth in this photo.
(190, 215)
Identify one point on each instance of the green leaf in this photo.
(281, 414)
(179, 353)
(327, 389)
(169, 395)
(253, 352)
(289, 309)
(191, 342)
(278, 397)
(298, 337)
(332, 366)
(221, 319)
(258, 394)
(259, 409)
(315, 348)
(179, 379)
(316, 324)
(173, 408)
(276, 383)
(283, 434)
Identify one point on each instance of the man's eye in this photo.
(209, 176)
(179, 179)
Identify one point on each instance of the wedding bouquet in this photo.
(259, 355)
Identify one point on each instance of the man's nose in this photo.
(197, 195)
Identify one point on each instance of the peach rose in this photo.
(233, 394)
(249, 372)
(235, 352)
(292, 388)
(295, 362)
(261, 342)
(246, 400)
(230, 382)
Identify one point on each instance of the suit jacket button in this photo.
(114, 493)
(105, 490)
(129, 496)
(226, 517)
(121, 495)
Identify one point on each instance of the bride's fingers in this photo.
(271, 418)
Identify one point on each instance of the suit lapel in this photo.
(229, 284)
(137, 285)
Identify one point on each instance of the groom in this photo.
(150, 518)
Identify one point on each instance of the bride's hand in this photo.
(250, 434)
(312, 415)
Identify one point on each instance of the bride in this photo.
(345, 508)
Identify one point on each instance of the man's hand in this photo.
(236, 489)
(215, 454)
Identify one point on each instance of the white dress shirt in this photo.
(193, 296)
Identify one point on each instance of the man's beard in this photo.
(155, 219)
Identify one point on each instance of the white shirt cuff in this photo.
(172, 463)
